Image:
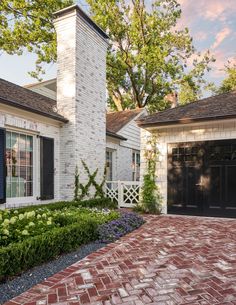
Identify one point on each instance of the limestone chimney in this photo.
(81, 96)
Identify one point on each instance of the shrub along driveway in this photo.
(169, 260)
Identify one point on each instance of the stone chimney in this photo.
(81, 96)
(173, 99)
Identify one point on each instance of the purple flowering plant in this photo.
(113, 230)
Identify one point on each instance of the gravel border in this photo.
(18, 285)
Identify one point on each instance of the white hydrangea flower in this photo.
(5, 232)
(13, 220)
(21, 216)
(6, 222)
(25, 232)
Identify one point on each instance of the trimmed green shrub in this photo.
(91, 203)
(18, 257)
(17, 225)
(32, 235)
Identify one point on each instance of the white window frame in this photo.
(134, 165)
(30, 199)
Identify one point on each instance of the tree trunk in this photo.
(117, 102)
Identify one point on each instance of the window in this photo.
(136, 165)
(109, 154)
(19, 163)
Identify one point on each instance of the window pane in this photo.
(29, 189)
(109, 165)
(19, 162)
(23, 172)
(22, 141)
(22, 191)
(8, 190)
(136, 165)
(15, 187)
(8, 140)
(29, 173)
(29, 144)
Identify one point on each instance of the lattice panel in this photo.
(112, 191)
(131, 194)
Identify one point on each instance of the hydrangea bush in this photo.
(17, 225)
(117, 228)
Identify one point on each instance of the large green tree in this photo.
(147, 59)
(28, 25)
(229, 83)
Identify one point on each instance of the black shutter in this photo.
(46, 168)
(2, 166)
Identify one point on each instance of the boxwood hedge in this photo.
(22, 255)
(18, 257)
(91, 203)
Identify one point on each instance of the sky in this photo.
(212, 25)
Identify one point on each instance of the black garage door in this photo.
(202, 178)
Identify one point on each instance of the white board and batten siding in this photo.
(132, 133)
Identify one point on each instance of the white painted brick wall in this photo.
(218, 130)
(81, 98)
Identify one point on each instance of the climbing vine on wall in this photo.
(150, 194)
(82, 191)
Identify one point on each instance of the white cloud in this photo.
(220, 37)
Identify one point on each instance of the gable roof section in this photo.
(17, 96)
(29, 100)
(117, 120)
(217, 107)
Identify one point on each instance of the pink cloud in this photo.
(208, 9)
(220, 37)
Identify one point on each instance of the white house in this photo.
(122, 137)
(43, 137)
(196, 168)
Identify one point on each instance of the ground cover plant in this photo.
(113, 230)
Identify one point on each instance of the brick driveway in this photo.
(170, 260)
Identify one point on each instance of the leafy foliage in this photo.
(229, 83)
(69, 228)
(150, 195)
(16, 226)
(82, 191)
(18, 257)
(28, 24)
(149, 57)
(100, 203)
(115, 229)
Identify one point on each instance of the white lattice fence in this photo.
(126, 193)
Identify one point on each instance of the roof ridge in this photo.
(188, 104)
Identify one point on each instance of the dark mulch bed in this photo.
(19, 284)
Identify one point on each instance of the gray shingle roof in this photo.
(217, 107)
(17, 96)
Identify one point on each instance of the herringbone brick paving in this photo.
(169, 260)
